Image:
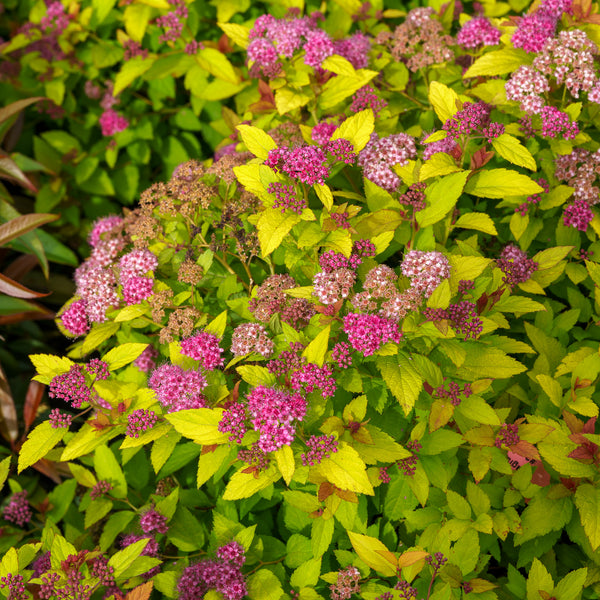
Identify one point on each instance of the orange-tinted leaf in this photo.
(49, 469)
(526, 449)
(8, 412)
(10, 170)
(141, 592)
(15, 107)
(325, 490)
(22, 224)
(12, 288)
(411, 557)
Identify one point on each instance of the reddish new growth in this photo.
(453, 392)
(152, 520)
(71, 387)
(100, 488)
(140, 420)
(508, 435)
(18, 511)
(515, 265)
(204, 347)
(222, 574)
(320, 447)
(379, 156)
(347, 584)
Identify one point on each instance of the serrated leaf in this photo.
(483, 362)
(499, 183)
(259, 142)
(218, 325)
(441, 198)
(244, 485)
(108, 468)
(401, 378)
(264, 585)
(497, 62)
(285, 463)
(440, 163)
(48, 366)
(123, 355)
(4, 469)
(316, 350)
(511, 149)
(587, 500)
(374, 553)
(346, 470)
(39, 442)
(123, 559)
(273, 226)
(339, 65)
(199, 424)
(236, 33)
(357, 129)
(477, 221)
(546, 259)
(539, 580)
(444, 100)
(130, 71)
(321, 534)
(325, 196)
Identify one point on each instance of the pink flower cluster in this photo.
(286, 197)
(273, 414)
(367, 333)
(172, 21)
(151, 520)
(102, 487)
(332, 286)
(580, 170)
(408, 466)
(233, 421)
(222, 574)
(251, 337)
(18, 511)
(478, 32)
(426, 270)
(307, 164)
(177, 388)
(515, 265)
(340, 354)
(59, 419)
(346, 585)
(319, 447)
(464, 318)
(71, 387)
(557, 123)
(447, 145)
(133, 266)
(526, 85)
(508, 435)
(140, 420)
(578, 215)
(112, 122)
(322, 132)
(379, 155)
(473, 119)
(74, 319)
(146, 360)
(16, 586)
(311, 377)
(204, 347)
(365, 98)
(532, 200)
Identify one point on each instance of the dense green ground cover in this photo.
(333, 328)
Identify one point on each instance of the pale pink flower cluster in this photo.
(580, 170)
(379, 156)
(332, 286)
(526, 85)
(178, 388)
(426, 270)
(251, 337)
(133, 266)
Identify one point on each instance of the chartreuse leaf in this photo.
(306, 574)
(356, 129)
(543, 515)
(264, 585)
(341, 87)
(339, 65)
(325, 196)
(87, 439)
(499, 183)
(482, 362)
(285, 463)
(131, 70)
(570, 586)
(209, 463)
(256, 140)
(440, 163)
(441, 198)
(39, 442)
(539, 580)
(217, 325)
(374, 553)
(444, 100)
(4, 468)
(108, 468)
(546, 259)
(316, 350)
(587, 500)
(48, 366)
(346, 470)
(321, 534)
(236, 33)
(402, 379)
(199, 424)
(477, 221)
(511, 149)
(123, 559)
(244, 485)
(498, 62)
(273, 226)
(256, 375)
(123, 355)
(217, 64)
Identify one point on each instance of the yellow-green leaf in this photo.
(401, 378)
(587, 500)
(39, 442)
(199, 424)
(210, 463)
(444, 100)
(356, 129)
(259, 142)
(339, 65)
(341, 87)
(439, 164)
(285, 463)
(288, 99)
(217, 325)
(477, 221)
(441, 198)
(374, 553)
(244, 485)
(498, 62)
(217, 64)
(131, 70)
(136, 18)
(499, 183)
(546, 259)
(273, 226)
(236, 33)
(123, 355)
(513, 151)
(324, 194)
(48, 366)
(346, 470)
(4, 468)
(316, 350)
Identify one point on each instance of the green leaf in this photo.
(511, 149)
(346, 470)
(401, 378)
(48, 366)
(102, 8)
(256, 140)
(98, 334)
(39, 442)
(571, 586)
(123, 559)
(356, 129)
(123, 355)
(273, 226)
(307, 573)
(199, 424)
(288, 99)
(440, 163)
(136, 18)
(321, 534)
(256, 375)
(132, 69)
(587, 500)
(477, 221)
(244, 485)
(264, 585)
(236, 33)
(444, 100)
(374, 553)
(477, 409)
(498, 62)
(499, 183)
(326, 197)
(539, 580)
(217, 64)
(209, 463)
(543, 515)
(549, 258)
(441, 198)
(108, 468)
(518, 304)
(482, 362)
(316, 350)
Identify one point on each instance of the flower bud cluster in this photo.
(140, 420)
(18, 511)
(515, 265)
(508, 435)
(320, 447)
(453, 392)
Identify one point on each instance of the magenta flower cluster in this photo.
(71, 387)
(478, 32)
(311, 377)
(222, 574)
(18, 511)
(59, 419)
(319, 448)
(307, 164)
(453, 392)
(204, 347)
(286, 197)
(111, 122)
(178, 388)
(139, 421)
(508, 435)
(367, 333)
(515, 265)
(151, 520)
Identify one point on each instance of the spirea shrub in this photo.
(355, 354)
